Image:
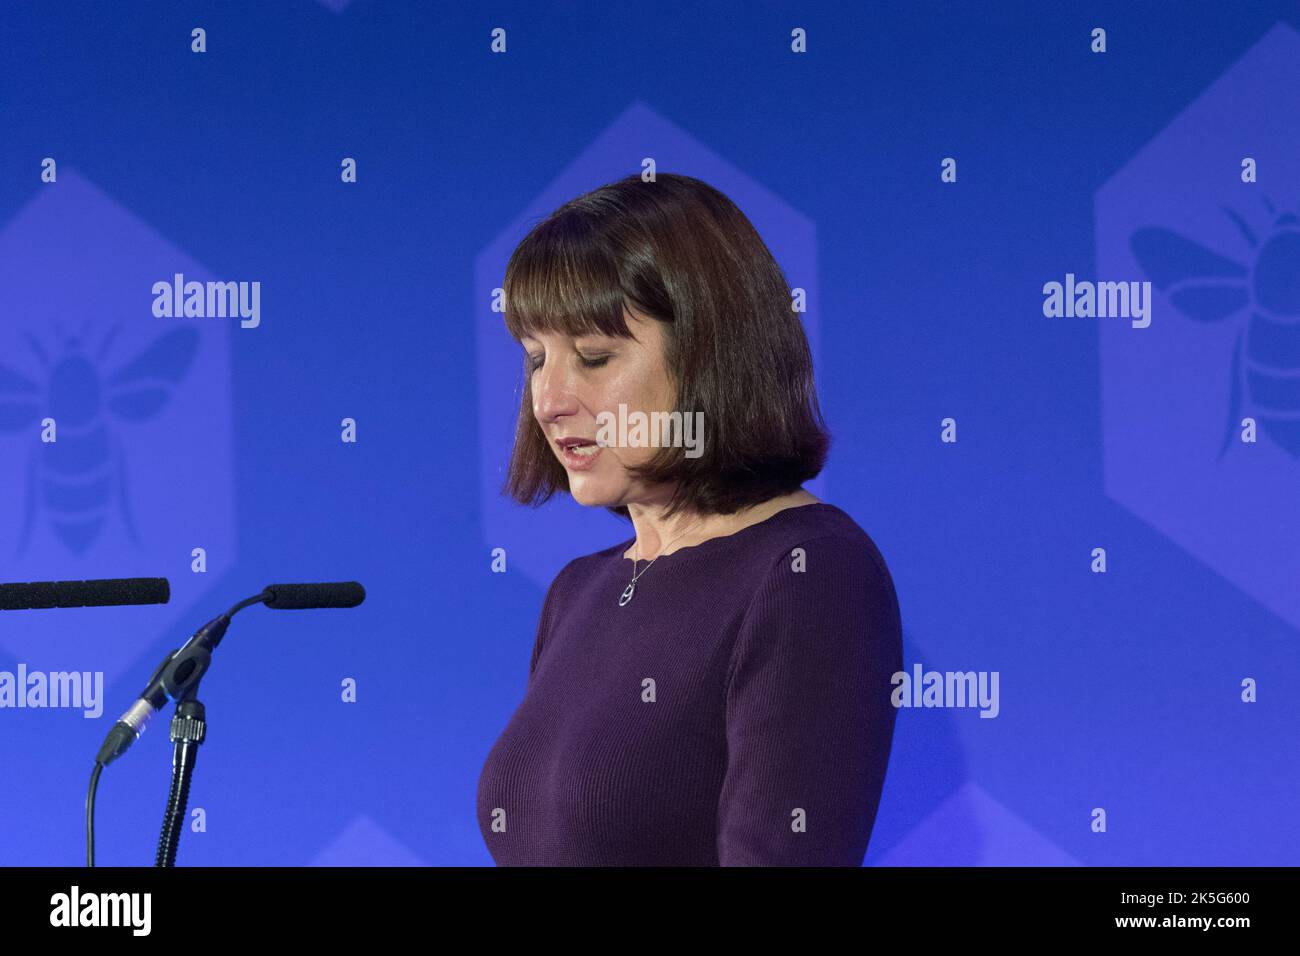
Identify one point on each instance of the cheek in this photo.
(640, 389)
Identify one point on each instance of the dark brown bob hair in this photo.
(679, 251)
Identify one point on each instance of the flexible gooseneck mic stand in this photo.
(187, 732)
(180, 678)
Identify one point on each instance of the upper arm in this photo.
(545, 621)
(809, 718)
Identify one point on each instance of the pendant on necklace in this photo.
(627, 594)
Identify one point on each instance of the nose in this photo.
(554, 395)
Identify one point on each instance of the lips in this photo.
(578, 453)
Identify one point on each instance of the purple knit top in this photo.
(735, 712)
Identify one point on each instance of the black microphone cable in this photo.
(90, 813)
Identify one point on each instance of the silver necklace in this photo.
(631, 588)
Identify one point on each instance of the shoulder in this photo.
(828, 575)
(826, 542)
(823, 583)
(574, 579)
(583, 565)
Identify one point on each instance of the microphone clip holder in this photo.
(185, 667)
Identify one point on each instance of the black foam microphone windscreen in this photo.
(288, 597)
(102, 592)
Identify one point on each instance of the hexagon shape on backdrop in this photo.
(142, 470)
(1223, 258)
(973, 828)
(364, 842)
(541, 541)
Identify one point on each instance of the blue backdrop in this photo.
(1148, 711)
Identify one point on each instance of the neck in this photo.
(657, 535)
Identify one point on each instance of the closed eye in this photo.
(535, 361)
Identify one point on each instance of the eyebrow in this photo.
(573, 338)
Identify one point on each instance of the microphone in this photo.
(294, 597)
(177, 678)
(184, 667)
(103, 592)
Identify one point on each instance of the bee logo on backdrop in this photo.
(115, 424)
(1259, 297)
(78, 473)
(1201, 411)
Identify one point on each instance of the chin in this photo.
(586, 493)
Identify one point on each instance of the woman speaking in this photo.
(716, 689)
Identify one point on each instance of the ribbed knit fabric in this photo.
(735, 712)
